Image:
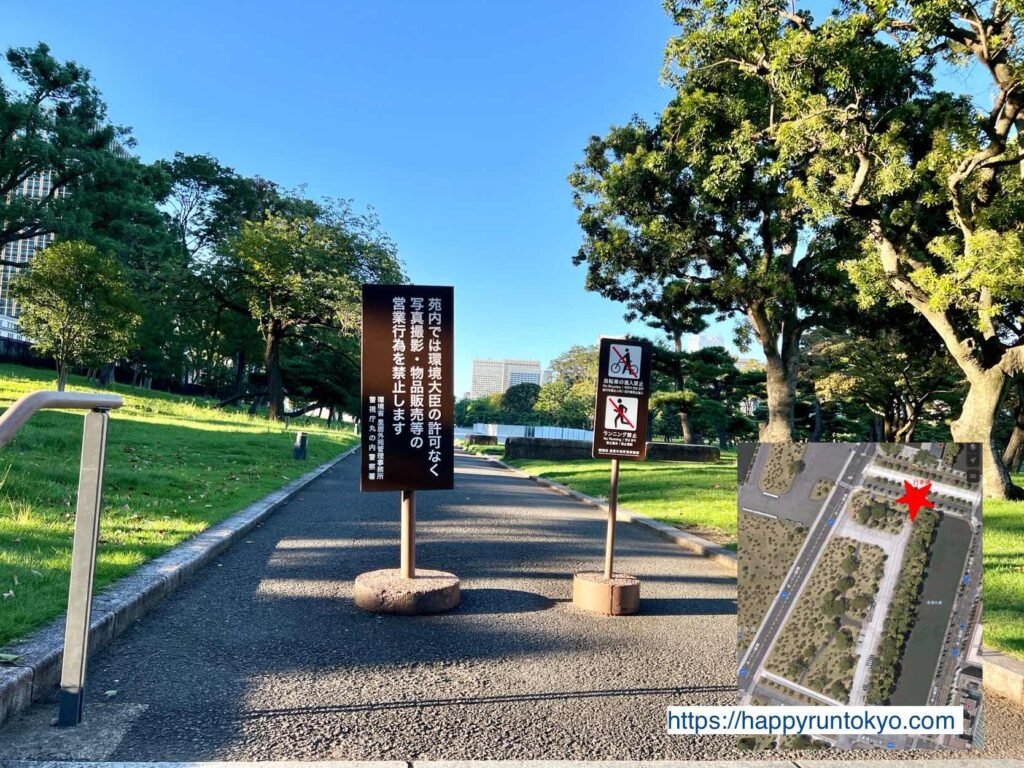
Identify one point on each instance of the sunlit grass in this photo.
(1003, 574)
(174, 467)
(702, 498)
(699, 497)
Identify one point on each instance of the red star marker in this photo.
(915, 498)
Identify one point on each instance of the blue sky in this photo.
(457, 121)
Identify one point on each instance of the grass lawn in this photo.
(702, 498)
(174, 466)
(486, 450)
(1002, 547)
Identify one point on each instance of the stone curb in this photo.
(36, 672)
(1000, 673)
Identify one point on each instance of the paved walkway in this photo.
(262, 656)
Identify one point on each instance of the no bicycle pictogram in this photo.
(624, 362)
(621, 414)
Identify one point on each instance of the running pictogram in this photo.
(620, 414)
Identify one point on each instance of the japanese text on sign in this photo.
(408, 397)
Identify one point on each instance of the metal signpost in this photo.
(408, 430)
(620, 432)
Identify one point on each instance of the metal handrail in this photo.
(87, 528)
(21, 410)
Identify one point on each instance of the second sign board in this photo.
(623, 389)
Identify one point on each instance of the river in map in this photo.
(945, 571)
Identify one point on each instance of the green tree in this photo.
(462, 412)
(320, 370)
(679, 403)
(924, 195)
(54, 122)
(76, 306)
(578, 366)
(945, 235)
(484, 410)
(119, 210)
(702, 201)
(895, 372)
(208, 203)
(561, 404)
(518, 402)
(295, 274)
(1013, 456)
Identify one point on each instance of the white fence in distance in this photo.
(504, 431)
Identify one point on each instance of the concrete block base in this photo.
(386, 591)
(617, 596)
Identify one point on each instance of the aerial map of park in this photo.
(860, 581)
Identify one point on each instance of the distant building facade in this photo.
(496, 376)
(698, 341)
(18, 254)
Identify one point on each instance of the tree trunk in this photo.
(257, 401)
(911, 413)
(819, 422)
(877, 430)
(781, 386)
(888, 428)
(272, 361)
(239, 372)
(62, 375)
(974, 425)
(986, 381)
(1014, 453)
(685, 428)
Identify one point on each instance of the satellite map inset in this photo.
(860, 582)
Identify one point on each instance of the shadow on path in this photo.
(483, 601)
(471, 700)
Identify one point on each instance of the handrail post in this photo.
(83, 566)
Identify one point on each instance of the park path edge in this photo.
(35, 673)
(1001, 673)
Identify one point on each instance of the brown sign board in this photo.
(408, 388)
(623, 389)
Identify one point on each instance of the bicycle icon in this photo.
(620, 367)
(625, 362)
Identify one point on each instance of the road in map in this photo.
(821, 531)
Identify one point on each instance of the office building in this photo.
(698, 341)
(18, 254)
(491, 376)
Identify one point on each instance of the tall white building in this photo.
(490, 376)
(698, 341)
(21, 252)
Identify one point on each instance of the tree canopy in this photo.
(76, 305)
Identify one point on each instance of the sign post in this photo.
(620, 432)
(408, 431)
